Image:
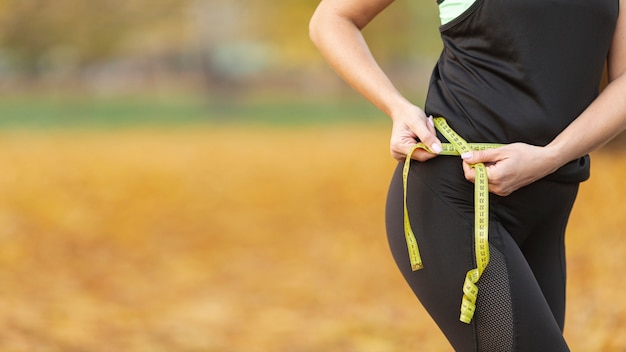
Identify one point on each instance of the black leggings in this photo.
(521, 297)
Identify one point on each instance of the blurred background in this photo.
(193, 56)
(189, 175)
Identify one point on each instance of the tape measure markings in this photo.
(457, 146)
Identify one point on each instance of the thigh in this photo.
(536, 217)
(443, 234)
(512, 313)
(544, 248)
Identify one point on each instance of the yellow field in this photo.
(231, 239)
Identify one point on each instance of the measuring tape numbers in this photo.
(456, 147)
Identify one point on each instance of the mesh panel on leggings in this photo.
(494, 310)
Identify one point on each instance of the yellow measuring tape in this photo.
(458, 146)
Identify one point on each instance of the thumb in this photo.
(480, 156)
(429, 137)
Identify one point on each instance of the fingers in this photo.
(426, 133)
(481, 156)
(474, 157)
(489, 157)
(408, 130)
(499, 184)
(469, 172)
(418, 154)
(430, 137)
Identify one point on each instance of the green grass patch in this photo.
(45, 113)
(100, 113)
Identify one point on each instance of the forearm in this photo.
(340, 41)
(604, 119)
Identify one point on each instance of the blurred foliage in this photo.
(223, 40)
(37, 34)
(209, 239)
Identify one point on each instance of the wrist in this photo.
(554, 158)
(403, 109)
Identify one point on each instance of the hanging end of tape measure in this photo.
(417, 266)
(465, 319)
(467, 311)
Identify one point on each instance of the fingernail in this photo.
(467, 155)
(431, 120)
(436, 148)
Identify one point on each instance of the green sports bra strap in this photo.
(451, 9)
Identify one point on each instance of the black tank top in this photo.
(522, 70)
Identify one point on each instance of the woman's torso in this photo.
(521, 70)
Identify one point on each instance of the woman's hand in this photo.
(411, 125)
(510, 167)
(335, 28)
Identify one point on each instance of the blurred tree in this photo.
(225, 41)
(221, 37)
(37, 34)
(399, 33)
